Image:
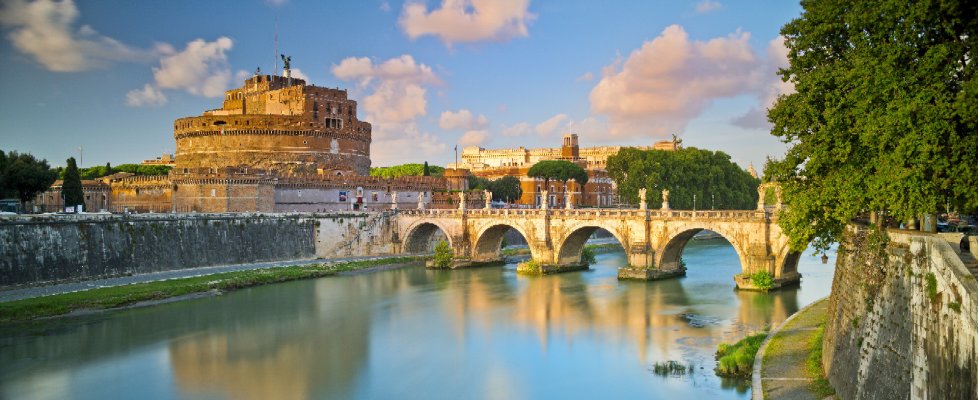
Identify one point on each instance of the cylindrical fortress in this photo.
(279, 125)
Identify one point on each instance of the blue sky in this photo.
(112, 76)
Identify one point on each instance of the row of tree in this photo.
(99, 171)
(414, 169)
(695, 178)
(23, 176)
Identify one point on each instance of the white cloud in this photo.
(661, 86)
(398, 84)
(276, 3)
(473, 138)
(769, 89)
(402, 143)
(149, 95)
(547, 127)
(462, 120)
(588, 76)
(385, 6)
(467, 20)
(45, 30)
(518, 129)
(297, 73)
(706, 6)
(201, 68)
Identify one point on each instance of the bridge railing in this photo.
(598, 213)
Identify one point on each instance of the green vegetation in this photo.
(813, 365)
(505, 189)
(954, 306)
(119, 296)
(931, 286)
(71, 188)
(671, 368)
(412, 169)
(710, 176)
(737, 360)
(588, 255)
(99, 171)
(883, 116)
(443, 254)
(23, 176)
(762, 280)
(595, 248)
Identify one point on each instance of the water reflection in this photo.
(435, 334)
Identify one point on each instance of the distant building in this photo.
(599, 191)
(165, 159)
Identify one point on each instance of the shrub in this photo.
(588, 255)
(762, 280)
(443, 254)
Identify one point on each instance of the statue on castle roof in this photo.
(257, 71)
(286, 60)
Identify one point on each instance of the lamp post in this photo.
(694, 202)
(713, 199)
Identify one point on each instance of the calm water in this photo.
(412, 333)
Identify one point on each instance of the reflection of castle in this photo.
(599, 191)
(276, 144)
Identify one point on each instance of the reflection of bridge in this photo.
(653, 239)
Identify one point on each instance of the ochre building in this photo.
(600, 190)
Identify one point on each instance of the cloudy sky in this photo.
(111, 76)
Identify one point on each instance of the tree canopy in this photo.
(884, 116)
(506, 188)
(716, 181)
(71, 187)
(559, 170)
(414, 169)
(24, 176)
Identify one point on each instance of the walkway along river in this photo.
(480, 333)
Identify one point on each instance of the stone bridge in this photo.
(653, 239)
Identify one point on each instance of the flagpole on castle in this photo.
(456, 156)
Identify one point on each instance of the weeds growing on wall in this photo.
(588, 255)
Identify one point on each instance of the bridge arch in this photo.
(669, 255)
(489, 241)
(419, 237)
(571, 246)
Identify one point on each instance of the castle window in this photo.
(213, 192)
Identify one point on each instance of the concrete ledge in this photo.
(530, 269)
(649, 274)
(463, 264)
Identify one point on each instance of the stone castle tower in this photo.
(277, 125)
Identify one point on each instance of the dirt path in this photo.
(783, 370)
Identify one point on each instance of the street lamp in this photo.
(694, 202)
(714, 201)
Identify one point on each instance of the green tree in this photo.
(443, 254)
(71, 187)
(560, 170)
(507, 189)
(883, 117)
(24, 176)
(108, 169)
(708, 177)
(427, 170)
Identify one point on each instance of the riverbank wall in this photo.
(51, 248)
(902, 319)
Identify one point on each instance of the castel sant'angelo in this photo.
(277, 144)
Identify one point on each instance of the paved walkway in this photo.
(783, 356)
(38, 291)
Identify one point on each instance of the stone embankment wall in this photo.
(902, 319)
(55, 248)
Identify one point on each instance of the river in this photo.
(483, 333)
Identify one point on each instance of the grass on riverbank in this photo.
(120, 296)
(597, 248)
(819, 385)
(737, 360)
